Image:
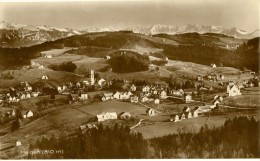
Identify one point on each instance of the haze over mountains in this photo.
(18, 35)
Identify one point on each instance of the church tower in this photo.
(92, 79)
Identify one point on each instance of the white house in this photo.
(195, 111)
(183, 116)
(134, 99)
(213, 65)
(187, 98)
(35, 94)
(233, 90)
(102, 82)
(83, 96)
(188, 115)
(107, 57)
(107, 96)
(117, 95)
(48, 56)
(163, 95)
(18, 143)
(150, 112)
(144, 99)
(45, 77)
(146, 89)
(179, 92)
(175, 118)
(29, 114)
(186, 109)
(157, 101)
(107, 116)
(59, 88)
(133, 88)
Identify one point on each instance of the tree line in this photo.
(237, 138)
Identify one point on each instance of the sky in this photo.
(243, 14)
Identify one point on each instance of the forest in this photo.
(237, 138)
(129, 62)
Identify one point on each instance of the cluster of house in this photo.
(187, 113)
(112, 116)
(16, 95)
(24, 114)
(211, 77)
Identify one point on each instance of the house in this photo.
(188, 115)
(134, 99)
(35, 94)
(116, 95)
(196, 111)
(28, 95)
(100, 118)
(106, 116)
(45, 77)
(183, 116)
(186, 109)
(48, 56)
(133, 88)
(107, 96)
(157, 101)
(187, 98)
(222, 77)
(203, 109)
(18, 143)
(233, 90)
(179, 92)
(146, 89)
(85, 82)
(29, 114)
(163, 94)
(111, 115)
(144, 99)
(107, 57)
(24, 114)
(59, 89)
(83, 96)
(175, 118)
(150, 112)
(124, 115)
(102, 82)
(215, 104)
(213, 65)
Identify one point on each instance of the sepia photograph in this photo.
(128, 79)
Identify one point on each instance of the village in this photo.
(147, 95)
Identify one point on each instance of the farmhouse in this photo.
(146, 89)
(116, 95)
(150, 112)
(187, 98)
(175, 118)
(163, 95)
(179, 92)
(134, 99)
(188, 115)
(133, 88)
(83, 96)
(144, 99)
(195, 112)
(213, 65)
(183, 116)
(107, 96)
(102, 82)
(106, 116)
(48, 56)
(233, 90)
(186, 109)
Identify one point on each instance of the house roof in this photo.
(108, 94)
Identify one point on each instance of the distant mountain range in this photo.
(201, 29)
(18, 35)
